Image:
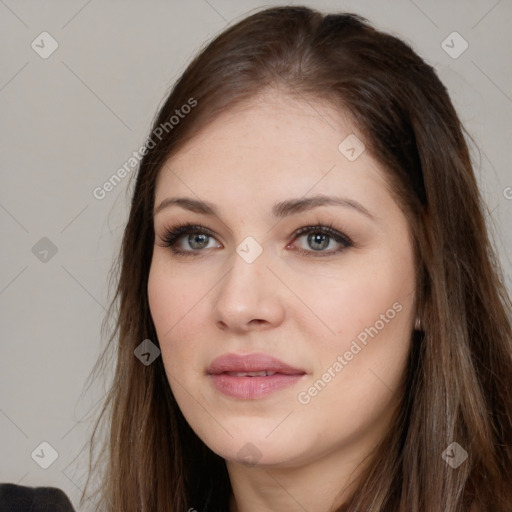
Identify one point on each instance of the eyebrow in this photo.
(279, 210)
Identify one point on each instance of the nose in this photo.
(248, 297)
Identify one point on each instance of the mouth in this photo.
(251, 376)
(253, 365)
(262, 373)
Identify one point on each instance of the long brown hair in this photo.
(459, 376)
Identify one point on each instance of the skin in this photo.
(304, 310)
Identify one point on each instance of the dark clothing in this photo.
(17, 498)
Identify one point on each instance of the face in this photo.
(268, 281)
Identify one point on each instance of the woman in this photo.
(310, 313)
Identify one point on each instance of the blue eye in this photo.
(319, 237)
(197, 238)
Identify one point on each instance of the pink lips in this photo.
(225, 374)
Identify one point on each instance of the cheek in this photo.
(171, 294)
(348, 298)
(172, 300)
(368, 310)
(178, 303)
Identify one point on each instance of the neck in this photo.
(294, 489)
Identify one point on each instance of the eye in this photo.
(319, 237)
(198, 238)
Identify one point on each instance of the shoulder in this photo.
(17, 498)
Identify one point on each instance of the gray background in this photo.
(71, 120)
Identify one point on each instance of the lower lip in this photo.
(252, 387)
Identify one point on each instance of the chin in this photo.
(256, 450)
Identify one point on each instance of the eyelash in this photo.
(172, 235)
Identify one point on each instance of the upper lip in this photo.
(250, 363)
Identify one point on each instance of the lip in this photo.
(222, 372)
(250, 363)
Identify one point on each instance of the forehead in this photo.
(271, 147)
